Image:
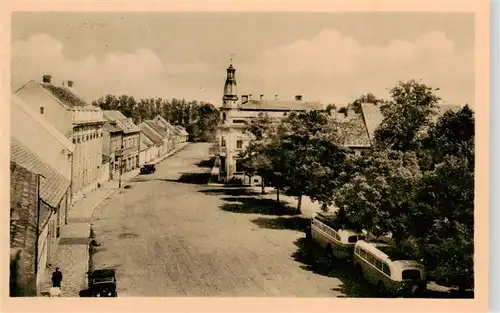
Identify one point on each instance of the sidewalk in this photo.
(73, 249)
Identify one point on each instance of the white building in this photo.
(78, 121)
(235, 113)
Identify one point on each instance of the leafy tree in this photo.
(307, 157)
(199, 118)
(453, 134)
(405, 115)
(444, 221)
(367, 98)
(379, 193)
(257, 158)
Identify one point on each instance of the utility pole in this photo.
(121, 164)
(39, 199)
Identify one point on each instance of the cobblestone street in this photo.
(172, 235)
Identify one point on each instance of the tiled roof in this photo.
(109, 127)
(353, 131)
(65, 95)
(281, 105)
(53, 186)
(122, 122)
(151, 133)
(158, 128)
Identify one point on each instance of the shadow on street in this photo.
(313, 259)
(297, 223)
(230, 191)
(254, 205)
(191, 178)
(207, 163)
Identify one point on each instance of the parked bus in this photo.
(338, 243)
(392, 272)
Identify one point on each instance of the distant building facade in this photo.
(112, 141)
(129, 153)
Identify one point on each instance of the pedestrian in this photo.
(57, 277)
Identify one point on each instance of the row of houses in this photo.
(62, 149)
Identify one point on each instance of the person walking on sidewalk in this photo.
(57, 277)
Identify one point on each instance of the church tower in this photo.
(230, 97)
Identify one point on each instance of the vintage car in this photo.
(148, 169)
(102, 283)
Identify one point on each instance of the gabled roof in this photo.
(181, 130)
(353, 131)
(145, 143)
(19, 103)
(281, 105)
(122, 122)
(53, 186)
(159, 129)
(372, 118)
(153, 135)
(66, 95)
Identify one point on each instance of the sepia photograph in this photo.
(243, 154)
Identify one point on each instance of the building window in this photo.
(223, 143)
(239, 144)
(224, 117)
(74, 140)
(41, 110)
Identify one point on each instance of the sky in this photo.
(331, 57)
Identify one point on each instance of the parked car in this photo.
(102, 283)
(148, 169)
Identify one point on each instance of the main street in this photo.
(170, 234)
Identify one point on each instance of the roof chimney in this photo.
(46, 78)
(275, 97)
(70, 83)
(261, 97)
(298, 98)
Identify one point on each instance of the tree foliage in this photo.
(418, 183)
(379, 194)
(366, 98)
(199, 118)
(405, 115)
